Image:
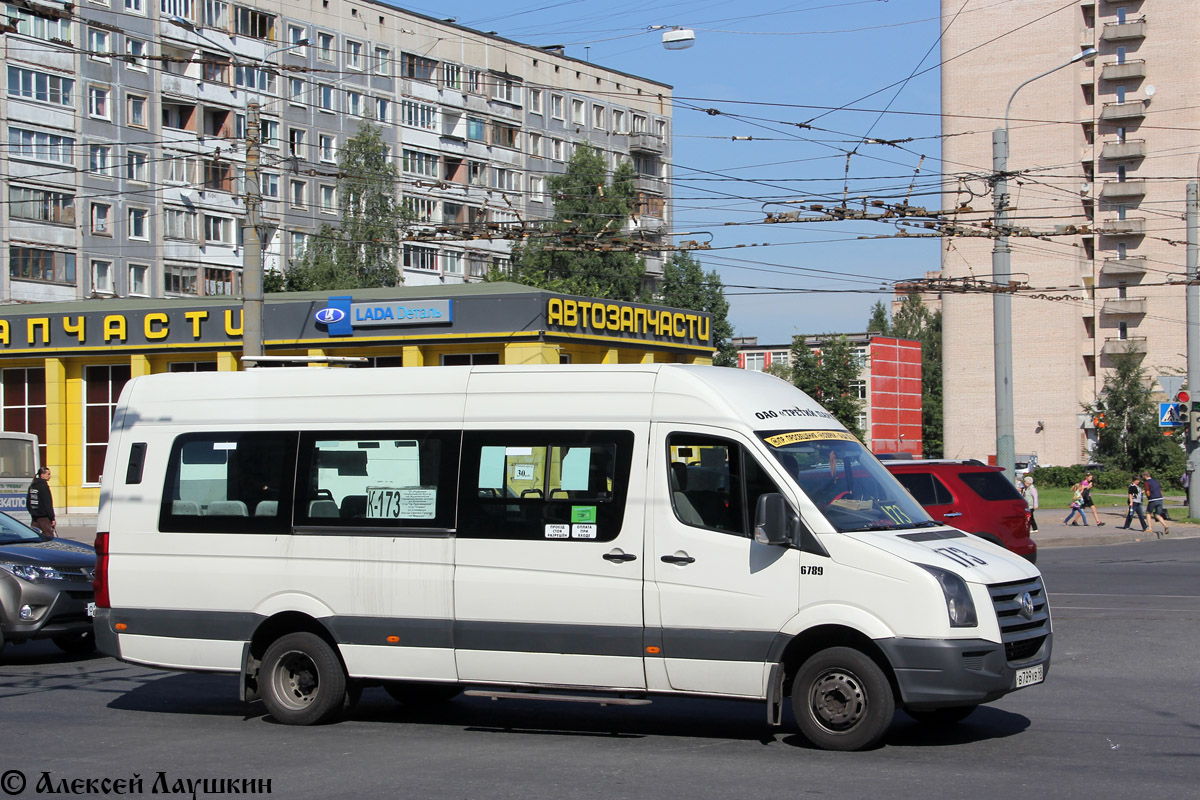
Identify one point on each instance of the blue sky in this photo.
(769, 67)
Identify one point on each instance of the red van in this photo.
(971, 496)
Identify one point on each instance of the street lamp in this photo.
(252, 265)
(1002, 275)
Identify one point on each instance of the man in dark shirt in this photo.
(1154, 497)
(40, 503)
(1135, 505)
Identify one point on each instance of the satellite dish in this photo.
(1150, 90)
(1084, 188)
(678, 38)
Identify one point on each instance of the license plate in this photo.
(91, 609)
(1029, 676)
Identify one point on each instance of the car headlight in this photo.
(959, 604)
(31, 572)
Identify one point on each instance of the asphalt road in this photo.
(1118, 717)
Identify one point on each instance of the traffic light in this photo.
(1193, 422)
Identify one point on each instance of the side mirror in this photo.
(771, 520)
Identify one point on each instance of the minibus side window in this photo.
(552, 485)
(235, 482)
(715, 483)
(377, 479)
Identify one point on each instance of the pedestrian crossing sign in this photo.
(1171, 415)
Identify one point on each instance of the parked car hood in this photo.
(975, 560)
(51, 553)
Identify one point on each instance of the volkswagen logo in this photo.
(329, 316)
(1027, 605)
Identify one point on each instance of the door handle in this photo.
(677, 559)
(953, 514)
(619, 558)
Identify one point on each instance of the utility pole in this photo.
(1193, 338)
(252, 266)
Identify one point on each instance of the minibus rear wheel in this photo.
(305, 683)
(842, 700)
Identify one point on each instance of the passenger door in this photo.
(721, 597)
(548, 569)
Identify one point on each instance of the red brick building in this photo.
(889, 384)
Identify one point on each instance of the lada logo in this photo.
(1027, 606)
(329, 316)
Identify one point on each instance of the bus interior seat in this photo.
(185, 508)
(354, 506)
(323, 509)
(227, 508)
(267, 508)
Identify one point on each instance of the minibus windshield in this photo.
(845, 481)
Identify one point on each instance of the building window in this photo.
(537, 189)
(218, 176)
(214, 68)
(218, 230)
(505, 135)
(557, 150)
(556, 106)
(269, 183)
(354, 55)
(639, 123)
(325, 97)
(219, 281)
(177, 8)
(858, 389)
(98, 44)
(137, 111)
(452, 262)
(418, 163)
(137, 167)
(102, 277)
(299, 244)
(535, 144)
(508, 180)
(37, 264)
(535, 101)
(298, 192)
(103, 384)
(452, 76)
(257, 78)
(755, 362)
(383, 61)
(101, 216)
(40, 87)
(325, 46)
(354, 104)
(135, 49)
(577, 112)
(474, 81)
(476, 129)
(139, 280)
(296, 35)
(383, 109)
(100, 161)
(179, 279)
(296, 142)
(296, 90)
(29, 23)
(327, 146)
(179, 223)
(41, 205)
(24, 408)
(418, 115)
(216, 14)
(421, 209)
(420, 258)
(506, 90)
(255, 24)
(179, 169)
(98, 102)
(139, 226)
(598, 117)
(660, 128)
(328, 199)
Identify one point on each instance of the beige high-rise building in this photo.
(1109, 145)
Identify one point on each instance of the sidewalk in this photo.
(1053, 533)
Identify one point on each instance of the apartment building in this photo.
(888, 384)
(126, 120)
(1107, 145)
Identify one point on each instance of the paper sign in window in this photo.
(558, 531)
(401, 502)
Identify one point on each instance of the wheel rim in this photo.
(838, 700)
(296, 680)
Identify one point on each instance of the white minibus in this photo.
(604, 533)
(18, 465)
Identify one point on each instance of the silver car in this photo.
(45, 588)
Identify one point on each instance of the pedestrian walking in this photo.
(1076, 505)
(1154, 507)
(1135, 505)
(1086, 485)
(1186, 480)
(1031, 501)
(40, 503)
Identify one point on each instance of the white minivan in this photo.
(582, 532)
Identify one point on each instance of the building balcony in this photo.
(1127, 150)
(1132, 267)
(1124, 32)
(1130, 70)
(1113, 112)
(1115, 346)
(648, 183)
(1123, 227)
(1124, 306)
(1123, 190)
(642, 142)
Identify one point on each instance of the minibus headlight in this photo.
(959, 605)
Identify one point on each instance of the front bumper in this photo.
(60, 609)
(939, 673)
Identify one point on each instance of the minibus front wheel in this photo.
(842, 700)
(305, 683)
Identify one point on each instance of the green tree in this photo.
(826, 375)
(1131, 439)
(914, 320)
(685, 284)
(362, 252)
(589, 210)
